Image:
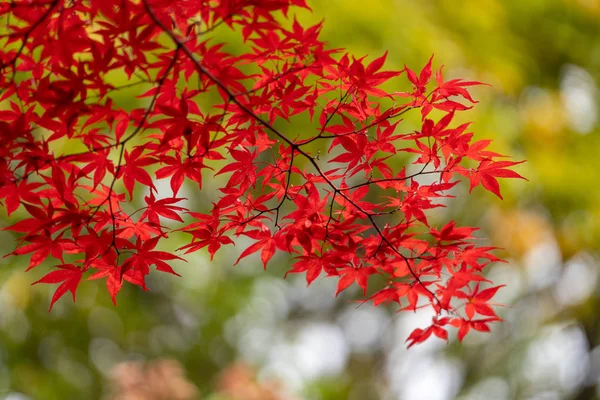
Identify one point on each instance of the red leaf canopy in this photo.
(333, 195)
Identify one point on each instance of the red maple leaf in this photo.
(488, 171)
(69, 275)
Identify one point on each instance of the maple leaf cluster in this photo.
(330, 195)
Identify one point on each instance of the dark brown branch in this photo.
(295, 147)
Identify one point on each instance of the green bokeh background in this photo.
(542, 58)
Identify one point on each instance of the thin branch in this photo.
(295, 147)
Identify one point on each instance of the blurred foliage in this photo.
(542, 58)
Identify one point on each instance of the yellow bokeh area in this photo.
(240, 333)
